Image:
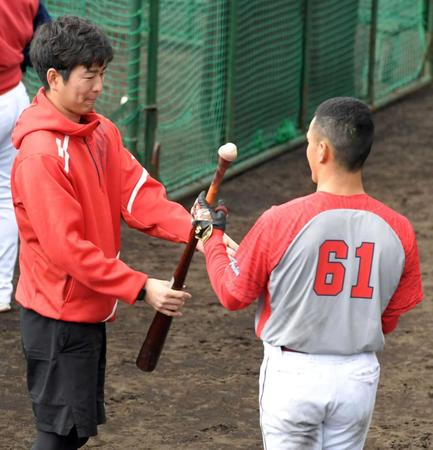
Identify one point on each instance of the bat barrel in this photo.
(152, 346)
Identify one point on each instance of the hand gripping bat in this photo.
(152, 346)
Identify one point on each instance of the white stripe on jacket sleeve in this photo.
(137, 187)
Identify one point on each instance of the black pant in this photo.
(65, 373)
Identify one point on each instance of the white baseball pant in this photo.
(315, 402)
(12, 104)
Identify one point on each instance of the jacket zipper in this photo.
(94, 162)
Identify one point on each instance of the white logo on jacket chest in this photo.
(62, 149)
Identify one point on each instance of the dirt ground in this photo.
(203, 394)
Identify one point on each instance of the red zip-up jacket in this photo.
(16, 30)
(72, 183)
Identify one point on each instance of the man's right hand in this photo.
(162, 298)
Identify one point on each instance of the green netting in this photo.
(330, 59)
(273, 62)
(267, 84)
(125, 78)
(191, 88)
(400, 45)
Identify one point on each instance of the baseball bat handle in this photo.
(153, 344)
(217, 179)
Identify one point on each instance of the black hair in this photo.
(347, 123)
(66, 43)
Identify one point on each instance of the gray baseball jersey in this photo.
(325, 269)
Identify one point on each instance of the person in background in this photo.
(18, 21)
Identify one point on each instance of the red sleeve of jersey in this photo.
(216, 262)
(239, 282)
(409, 291)
(389, 323)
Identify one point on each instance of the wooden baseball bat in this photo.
(152, 346)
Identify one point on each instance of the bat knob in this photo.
(228, 151)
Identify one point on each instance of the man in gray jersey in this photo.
(332, 272)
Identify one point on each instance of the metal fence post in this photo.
(305, 71)
(372, 52)
(151, 90)
(429, 52)
(231, 69)
(133, 83)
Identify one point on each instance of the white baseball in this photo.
(228, 151)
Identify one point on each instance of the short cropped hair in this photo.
(66, 43)
(347, 123)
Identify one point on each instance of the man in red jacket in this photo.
(17, 22)
(72, 183)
